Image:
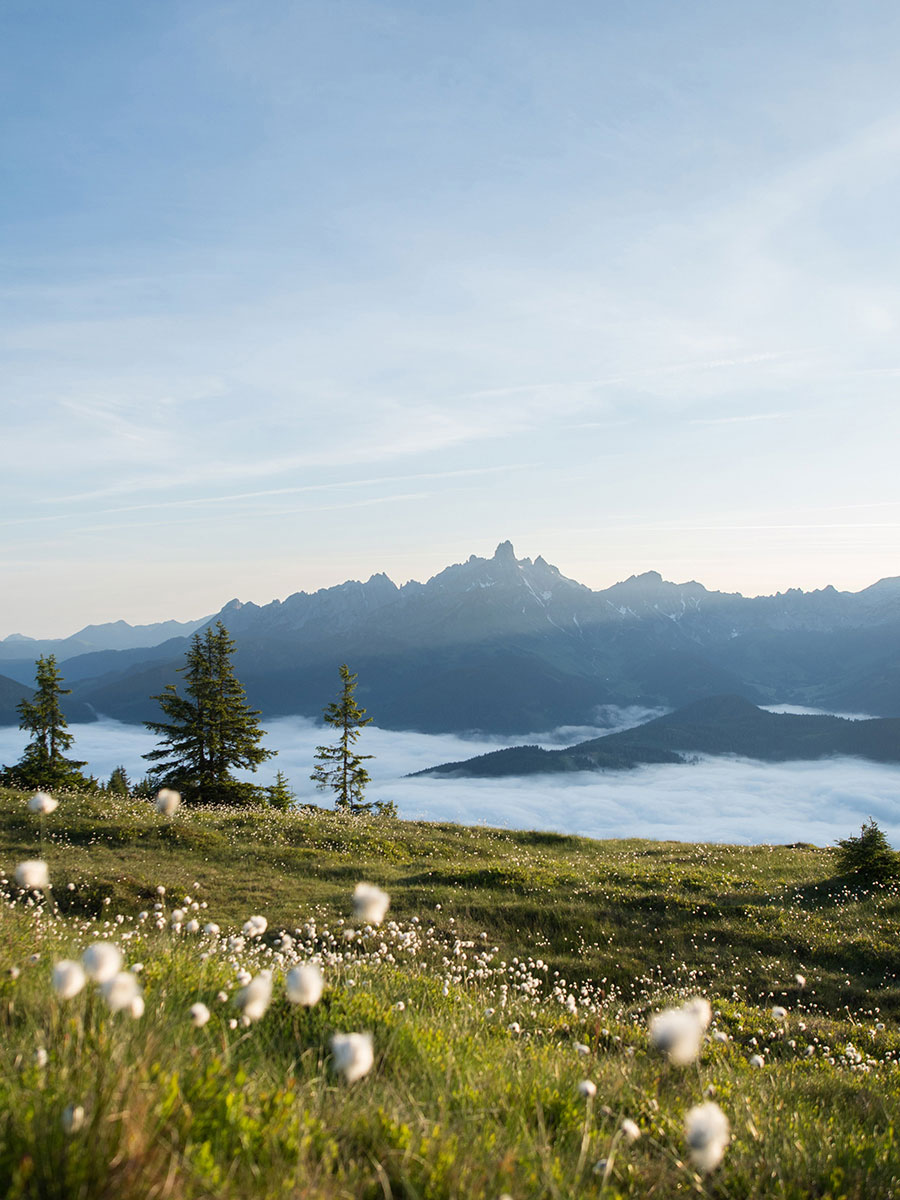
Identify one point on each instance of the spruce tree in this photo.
(210, 728)
(279, 794)
(43, 764)
(868, 856)
(118, 782)
(339, 767)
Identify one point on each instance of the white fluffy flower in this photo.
(370, 903)
(756, 1060)
(211, 928)
(254, 998)
(72, 1119)
(33, 875)
(708, 1133)
(779, 1013)
(700, 1009)
(678, 1033)
(304, 984)
(353, 1054)
(42, 803)
(256, 927)
(102, 961)
(630, 1130)
(167, 801)
(587, 1088)
(121, 992)
(68, 979)
(200, 1014)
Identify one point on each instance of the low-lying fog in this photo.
(717, 799)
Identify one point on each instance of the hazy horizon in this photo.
(260, 601)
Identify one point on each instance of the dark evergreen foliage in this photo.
(340, 767)
(210, 728)
(43, 764)
(279, 795)
(118, 782)
(869, 856)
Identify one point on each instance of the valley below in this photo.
(717, 798)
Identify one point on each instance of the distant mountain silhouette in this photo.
(509, 645)
(12, 693)
(717, 725)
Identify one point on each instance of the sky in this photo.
(296, 292)
(717, 799)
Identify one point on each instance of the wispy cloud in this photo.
(740, 420)
(276, 467)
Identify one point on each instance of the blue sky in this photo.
(296, 292)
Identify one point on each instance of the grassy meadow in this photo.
(511, 968)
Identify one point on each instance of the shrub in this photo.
(869, 855)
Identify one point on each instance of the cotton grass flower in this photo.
(42, 803)
(255, 997)
(68, 978)
(630, 1130)
(779, 1013)
(700, 1009)
(708, 1133)
(256, 927)
(370, 903)
(587, 1088)
(33, 875)
(199, 1014)
(677, 1033)
(102, 961)
(756, 1060)
(304, 984)
(167, 802)
(72, 1119)
(121, 992)
(353, 1054)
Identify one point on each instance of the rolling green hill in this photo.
(507, 996)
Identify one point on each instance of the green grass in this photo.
(458, 1102)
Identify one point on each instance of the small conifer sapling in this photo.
(339, 767)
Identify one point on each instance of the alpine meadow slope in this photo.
(537, 1015)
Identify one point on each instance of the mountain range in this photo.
(718, 725)
(507, 645)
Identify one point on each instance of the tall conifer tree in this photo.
(340, 767)
(43, 763)
(210, 728)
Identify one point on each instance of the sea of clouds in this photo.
(715, 799)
